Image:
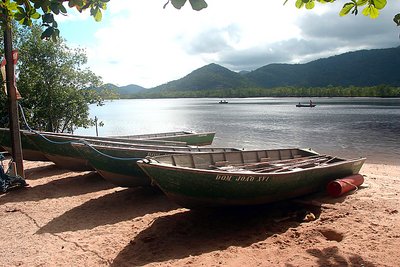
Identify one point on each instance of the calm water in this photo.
(349, 127)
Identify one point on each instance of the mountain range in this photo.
(359, 68)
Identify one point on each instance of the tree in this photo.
(51, 78)
(25, 11)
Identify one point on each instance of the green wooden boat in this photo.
(121, 139)
(179, 137)
(58, 149)
(245, 177)
(191, 138)
(118, 164)
(36, 150)
(29, 149)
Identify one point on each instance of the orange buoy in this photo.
(338, 187)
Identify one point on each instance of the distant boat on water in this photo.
(309, 105)
(223, 102)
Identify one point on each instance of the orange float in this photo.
(338, 187)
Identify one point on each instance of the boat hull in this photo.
(196, 188)
(305, 105)
(60, 151)
(57, 148)
(118, 165)
(33, 150)
(29, 149)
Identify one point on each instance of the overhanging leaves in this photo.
(396, 19)
(372, 7)
(346, 9)
(198, 4)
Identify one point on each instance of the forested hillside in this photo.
(376, 69)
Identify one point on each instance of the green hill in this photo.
(360, 68)
(122, 90)
(211, 76)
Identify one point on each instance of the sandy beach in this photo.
(78, 219)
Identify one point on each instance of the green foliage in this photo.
(396, 19)
(107, 92)
(54, 84)
(26, 11)
(196, 4)
(370, 7)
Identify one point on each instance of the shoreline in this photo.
(77, 218)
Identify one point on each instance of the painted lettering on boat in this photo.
(245, 178)
(223, 177)
(242, 178)
(152, 154)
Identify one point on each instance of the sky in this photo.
(139, 42)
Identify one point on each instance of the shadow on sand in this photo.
(66, 187)
(188, 233)
(112, 208)
(331, 257)
(39, 172)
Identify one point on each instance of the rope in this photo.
(36, 132)
(104, 154)
(81, 141)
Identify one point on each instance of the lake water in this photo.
(348, 127)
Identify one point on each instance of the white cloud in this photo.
(139, 42)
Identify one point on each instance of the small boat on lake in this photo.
(117, 164)
(309, 105)
(245, 177)
(305, 105)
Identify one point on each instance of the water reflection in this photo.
(348, 127)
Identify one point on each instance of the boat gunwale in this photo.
(244, 173)
(100, 139)
(156, 135)
(188, 134)
(185, 150)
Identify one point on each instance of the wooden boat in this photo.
(309, 105)
(190, 138)
(156, 138)
(58, 148)
(31, 150)
(245, 177)
(118, 164)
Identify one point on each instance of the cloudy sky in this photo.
(139, 42)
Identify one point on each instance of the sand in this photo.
(78, 219)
